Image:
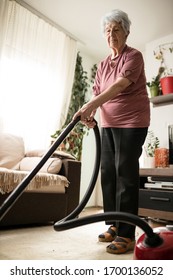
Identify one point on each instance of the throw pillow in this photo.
(52, 165)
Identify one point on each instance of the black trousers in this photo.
(121, 149)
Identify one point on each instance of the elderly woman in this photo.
(120, 93)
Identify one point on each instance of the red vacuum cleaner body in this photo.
(163, 251)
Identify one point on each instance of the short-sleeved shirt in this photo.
(131, 107)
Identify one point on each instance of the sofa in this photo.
(50, 196)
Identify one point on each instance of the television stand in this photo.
(156, 203)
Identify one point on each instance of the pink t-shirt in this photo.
(129, 108)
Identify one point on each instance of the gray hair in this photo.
(118, 16)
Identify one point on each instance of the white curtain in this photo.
(37, 70)
(3, 22)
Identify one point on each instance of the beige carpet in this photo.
(44, 243)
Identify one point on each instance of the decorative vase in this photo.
(149, 162)
(161, 157)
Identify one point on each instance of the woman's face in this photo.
(115, 35)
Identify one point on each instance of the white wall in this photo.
(152, 64)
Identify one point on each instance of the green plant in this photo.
(152, 143)
(73, 143)
(93, 73)
(156, 80)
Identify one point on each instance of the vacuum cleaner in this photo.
(154, 244)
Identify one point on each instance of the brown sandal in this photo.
(121, 245)
(109, 235)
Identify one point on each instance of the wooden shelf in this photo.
(162, 100)
(157, 172)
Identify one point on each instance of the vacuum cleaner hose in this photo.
(152, 239)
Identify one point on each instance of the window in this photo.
(37, 68)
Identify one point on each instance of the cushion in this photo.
(52, 165)
(11, 150)
(57, 153)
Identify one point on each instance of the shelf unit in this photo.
(162, 100)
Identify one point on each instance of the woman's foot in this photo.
(109, 235)
(121, 245)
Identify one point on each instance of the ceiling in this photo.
(151, 19)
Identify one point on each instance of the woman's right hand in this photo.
(86, 115)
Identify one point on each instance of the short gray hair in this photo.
(118, 16)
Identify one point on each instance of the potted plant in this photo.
(154, 85)
(152, 143)
(166, 81)
(73, 142)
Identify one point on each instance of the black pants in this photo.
(121, 149)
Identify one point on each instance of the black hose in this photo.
(152, 239)
(93, 180)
